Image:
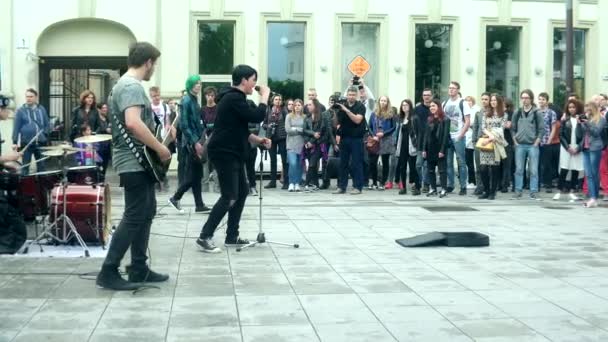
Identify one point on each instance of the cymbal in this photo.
(91, 139)
(55, 147)
(57, 153)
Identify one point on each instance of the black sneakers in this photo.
(109, 278)
(271, 185)
(235, 241)
(145, 274)
(207, 245)
(202, 209)
(175, 204)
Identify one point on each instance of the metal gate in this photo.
(62, 80)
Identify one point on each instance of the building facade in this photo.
(62, 47)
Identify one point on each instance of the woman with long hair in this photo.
(85, 113)
(317, 130)
(492, 127)
(435, 148)
(294, 125)
(594, 126)
(570, 156)
(382, 127)
(407, 135)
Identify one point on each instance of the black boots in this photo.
(143, 274)
(109, 278)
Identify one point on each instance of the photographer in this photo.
(228, 150)
(351, 118)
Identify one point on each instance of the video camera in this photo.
(338, 100)
(4, 101)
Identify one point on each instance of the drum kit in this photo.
(72, 203)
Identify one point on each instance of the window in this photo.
(559, 65)
(360, 40)
(502, 60)
(216, 48)
(432, 59)
(286, 59)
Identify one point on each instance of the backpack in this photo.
(535, 118)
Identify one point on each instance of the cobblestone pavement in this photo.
(544, 277)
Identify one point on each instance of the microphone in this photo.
(257, 88)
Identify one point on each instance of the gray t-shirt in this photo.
(128, 92)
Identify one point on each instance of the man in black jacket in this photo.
(228, 150)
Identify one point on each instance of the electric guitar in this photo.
(155, 166)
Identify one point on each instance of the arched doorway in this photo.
(76, 55)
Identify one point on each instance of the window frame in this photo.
(238, 49)
(382, 45)
(296, 18)
(455, 67)
(591, 64)
(525, 77)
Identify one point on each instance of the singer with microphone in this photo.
(228, 150)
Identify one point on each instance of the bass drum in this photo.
(33, 193)
(88, 206)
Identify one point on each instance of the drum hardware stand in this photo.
(64, 217)
(261, 238)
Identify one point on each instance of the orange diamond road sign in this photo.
(359, 66)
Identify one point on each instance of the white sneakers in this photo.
(297, 188)
(572, 197)
(291, 188)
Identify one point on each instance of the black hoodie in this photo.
(231, 129)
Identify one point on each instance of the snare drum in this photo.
(33, 193)
(88, 206)
(84, 175)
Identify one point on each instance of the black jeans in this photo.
(478, 182)
(442, 165)
(549, 164)
(402, 164)
(191, 178)
(134, 228)
(507, 172)
(470, 157)
(280, 146)
(570, 185)
(312, 176)
(490, 175)
(250, 166)
(373, 168)
(234, 191)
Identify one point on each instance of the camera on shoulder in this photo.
(338, 100)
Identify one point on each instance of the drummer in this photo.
(90, 155)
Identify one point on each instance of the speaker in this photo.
(449, 239)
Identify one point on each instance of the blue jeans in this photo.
(351, 157)
(422, 169)
(33, 150)
(522, 152)
(461, 157)
(591, 163)
(295, 167)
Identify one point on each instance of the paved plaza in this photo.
(544, 277)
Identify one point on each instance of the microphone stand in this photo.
(261, 235)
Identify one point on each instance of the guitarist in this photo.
(191, 147)
(131, 107)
